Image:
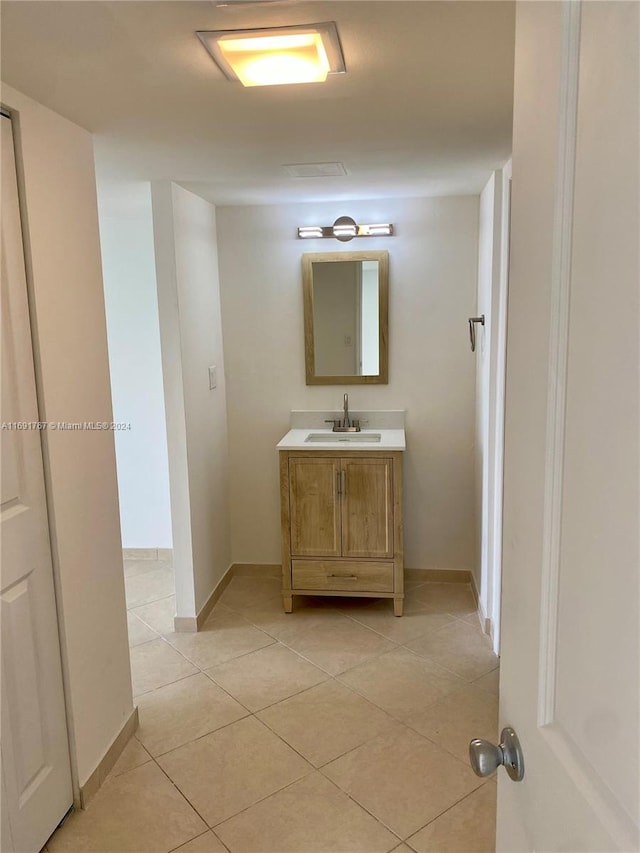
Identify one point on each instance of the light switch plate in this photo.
(213, 379)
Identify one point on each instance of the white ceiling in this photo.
(424, 108)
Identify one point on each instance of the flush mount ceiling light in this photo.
(344, 229)
(276, 56)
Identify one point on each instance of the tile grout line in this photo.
(135, 607)
(267, 796)
(295, 782)
(132, 607)
(335, 676)
(195, 838)
(331, 678)
(160, 686)
(364, 808)
(184, 797)
(412, 639)
(336, 680)
(313, 768)
(481, 784)
(397, 644)
(434, 662)
(282, 738)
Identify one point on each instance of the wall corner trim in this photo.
(191, 624)
(106, 764)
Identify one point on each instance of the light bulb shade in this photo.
(306, 232)
(276, 60)
(381, 229)
(272, 57)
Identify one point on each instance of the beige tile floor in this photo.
(335, 729)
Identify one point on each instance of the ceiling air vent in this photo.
(315, 170)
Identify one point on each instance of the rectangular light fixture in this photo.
(345, 229)
(276, 56)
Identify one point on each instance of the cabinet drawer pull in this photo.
(345, 577)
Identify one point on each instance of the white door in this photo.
(570, 618)
(35, 766)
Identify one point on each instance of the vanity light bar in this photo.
(345, 231)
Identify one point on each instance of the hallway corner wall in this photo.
(70, 342)
(131, 301)
(191, 335)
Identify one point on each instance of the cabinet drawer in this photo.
(349, 575)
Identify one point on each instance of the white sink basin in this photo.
(348, 437)
(319, 439)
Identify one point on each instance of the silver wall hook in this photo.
(472, 330)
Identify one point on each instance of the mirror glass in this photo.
(345, 306)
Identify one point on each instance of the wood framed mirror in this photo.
(346, 318)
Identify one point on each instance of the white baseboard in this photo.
(191, 624)
(257, 570)
(485, 623)
(185, 624)
(438, 575)
(105, 766)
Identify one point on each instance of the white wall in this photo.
(63, 254)
(432, 292)
(191, 334)
(131, 300)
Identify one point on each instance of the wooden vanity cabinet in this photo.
(342, 524)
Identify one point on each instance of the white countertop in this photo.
(390, 439)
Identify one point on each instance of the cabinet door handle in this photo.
(345, 577)
(338, 482)
(344, 482)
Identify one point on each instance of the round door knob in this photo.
(486, 757)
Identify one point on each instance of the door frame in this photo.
(14, 116)
(492, 302)
(497, 400)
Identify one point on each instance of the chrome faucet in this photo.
(346, 424)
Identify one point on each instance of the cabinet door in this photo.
(367, 507)
(315, 507)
